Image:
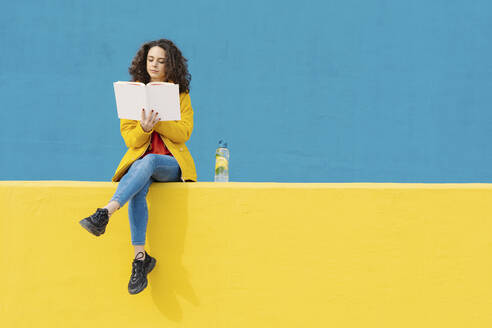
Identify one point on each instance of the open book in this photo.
(162, 97)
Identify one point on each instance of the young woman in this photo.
(156, 152)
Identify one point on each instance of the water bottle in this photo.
(222, 162)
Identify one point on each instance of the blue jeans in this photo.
(135, 184)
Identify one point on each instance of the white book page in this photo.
(130, 99)
(163, 97)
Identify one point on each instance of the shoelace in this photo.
(138, 266)
(137, 270)
(99, 218)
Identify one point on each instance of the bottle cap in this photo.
(222, 144)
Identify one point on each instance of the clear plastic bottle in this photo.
(222, 162)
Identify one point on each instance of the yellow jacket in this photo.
(174, 134)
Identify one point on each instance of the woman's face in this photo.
(155, 64)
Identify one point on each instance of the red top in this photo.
(157, 146)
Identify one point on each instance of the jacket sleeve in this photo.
(133, 134)
(178, 131)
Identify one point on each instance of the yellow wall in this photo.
(251, 255)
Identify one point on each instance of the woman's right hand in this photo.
(148, 121)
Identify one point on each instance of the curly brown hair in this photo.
(176, 65)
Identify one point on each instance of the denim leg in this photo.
(142, 173)
(166, 170)
(138, 215)
(134, 180)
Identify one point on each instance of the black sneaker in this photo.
(96, 223)
(140, 269)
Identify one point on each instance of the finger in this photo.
(146, 117)
(143, 115)
(151, 116)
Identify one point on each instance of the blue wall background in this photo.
(317, 91)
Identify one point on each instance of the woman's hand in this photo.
(148, 121)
